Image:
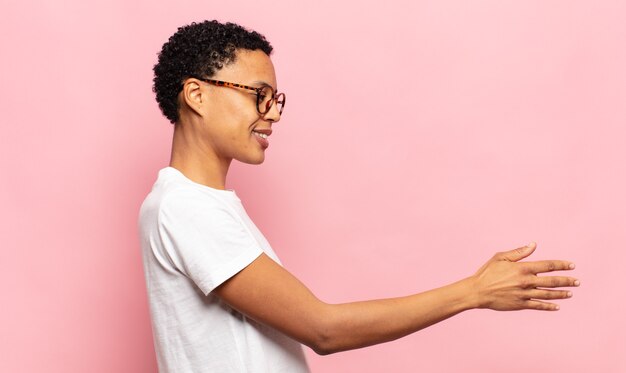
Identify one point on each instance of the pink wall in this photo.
(449, 130)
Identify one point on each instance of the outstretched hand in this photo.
(505, 284)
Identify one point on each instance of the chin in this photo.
(258, 159)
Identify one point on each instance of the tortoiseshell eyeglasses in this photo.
(265, 96)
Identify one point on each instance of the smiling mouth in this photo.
(261, 135)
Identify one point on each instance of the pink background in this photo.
(448, 130)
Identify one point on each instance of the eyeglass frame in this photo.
(258, 91)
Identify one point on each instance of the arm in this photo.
(269, 294)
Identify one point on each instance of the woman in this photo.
(220, 301)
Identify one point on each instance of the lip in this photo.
(265, 131)
(263, 142)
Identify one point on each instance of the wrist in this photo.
(470, 289)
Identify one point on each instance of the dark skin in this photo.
(217, 125)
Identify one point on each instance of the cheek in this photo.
(238, 104)
(236, 118)
(238, 132)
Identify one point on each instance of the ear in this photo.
(194, 96)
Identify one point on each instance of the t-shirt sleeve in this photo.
(205, 239)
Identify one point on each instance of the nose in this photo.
(273, 114)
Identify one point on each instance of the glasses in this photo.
(265, 96)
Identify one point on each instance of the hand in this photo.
(505, 284)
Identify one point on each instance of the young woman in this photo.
(220, 300)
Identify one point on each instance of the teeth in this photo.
(260, 134)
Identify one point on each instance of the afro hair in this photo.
(199, 50)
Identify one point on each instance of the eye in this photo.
(266, 91)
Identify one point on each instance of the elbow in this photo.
(322, 352)
(325, 339)
(323, 347)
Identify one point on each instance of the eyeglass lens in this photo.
(266, 98)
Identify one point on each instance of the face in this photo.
(231, 126)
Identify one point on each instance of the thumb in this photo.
(519, 253)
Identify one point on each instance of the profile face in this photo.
(233, 126)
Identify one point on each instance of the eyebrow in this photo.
(264, 83)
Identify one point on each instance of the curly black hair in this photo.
(199, 49)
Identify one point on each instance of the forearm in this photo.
(269, 294)
(359, 324)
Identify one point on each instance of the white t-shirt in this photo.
(193, 238)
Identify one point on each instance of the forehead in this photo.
(250, 67)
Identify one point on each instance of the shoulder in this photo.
(184, 200)
(174, 201)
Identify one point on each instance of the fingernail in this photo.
(572, 266)
(569, 294)
(576, 283)
(557, 308)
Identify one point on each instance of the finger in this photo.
(541, 306)
(519, 253)
(548, 294)
(554, 281)
(549, 266)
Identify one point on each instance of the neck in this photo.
(196, 160)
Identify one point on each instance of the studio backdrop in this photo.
(418, 139)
